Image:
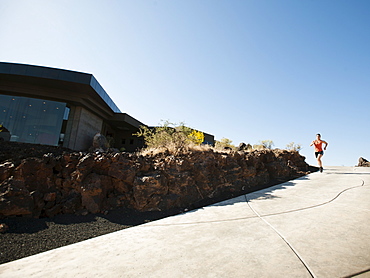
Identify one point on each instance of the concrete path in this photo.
(315, 226)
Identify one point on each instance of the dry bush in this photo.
(174, 149)
(258, 147)
(171, 138)
(224, 144)
(294, 147)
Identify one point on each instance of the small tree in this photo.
(294, 147)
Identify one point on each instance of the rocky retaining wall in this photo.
(96, 182)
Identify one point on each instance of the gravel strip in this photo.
(28, 236)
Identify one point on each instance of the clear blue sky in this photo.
(247, 70)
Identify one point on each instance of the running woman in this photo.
(319, 151)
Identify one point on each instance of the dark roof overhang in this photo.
(76, 88)
(124, 121)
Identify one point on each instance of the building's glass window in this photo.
(32, 120)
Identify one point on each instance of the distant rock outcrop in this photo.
(362, 162)
(81, 183)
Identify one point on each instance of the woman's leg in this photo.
(319, 160)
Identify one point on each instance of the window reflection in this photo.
(32, 120)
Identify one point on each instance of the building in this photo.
(51, 106)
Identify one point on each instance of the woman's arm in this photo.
(326, 144)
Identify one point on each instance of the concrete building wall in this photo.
(82, 125)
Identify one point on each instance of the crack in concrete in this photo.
(284, 239)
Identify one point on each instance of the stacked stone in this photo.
(94, 182)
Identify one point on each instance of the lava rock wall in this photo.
(84, 183)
